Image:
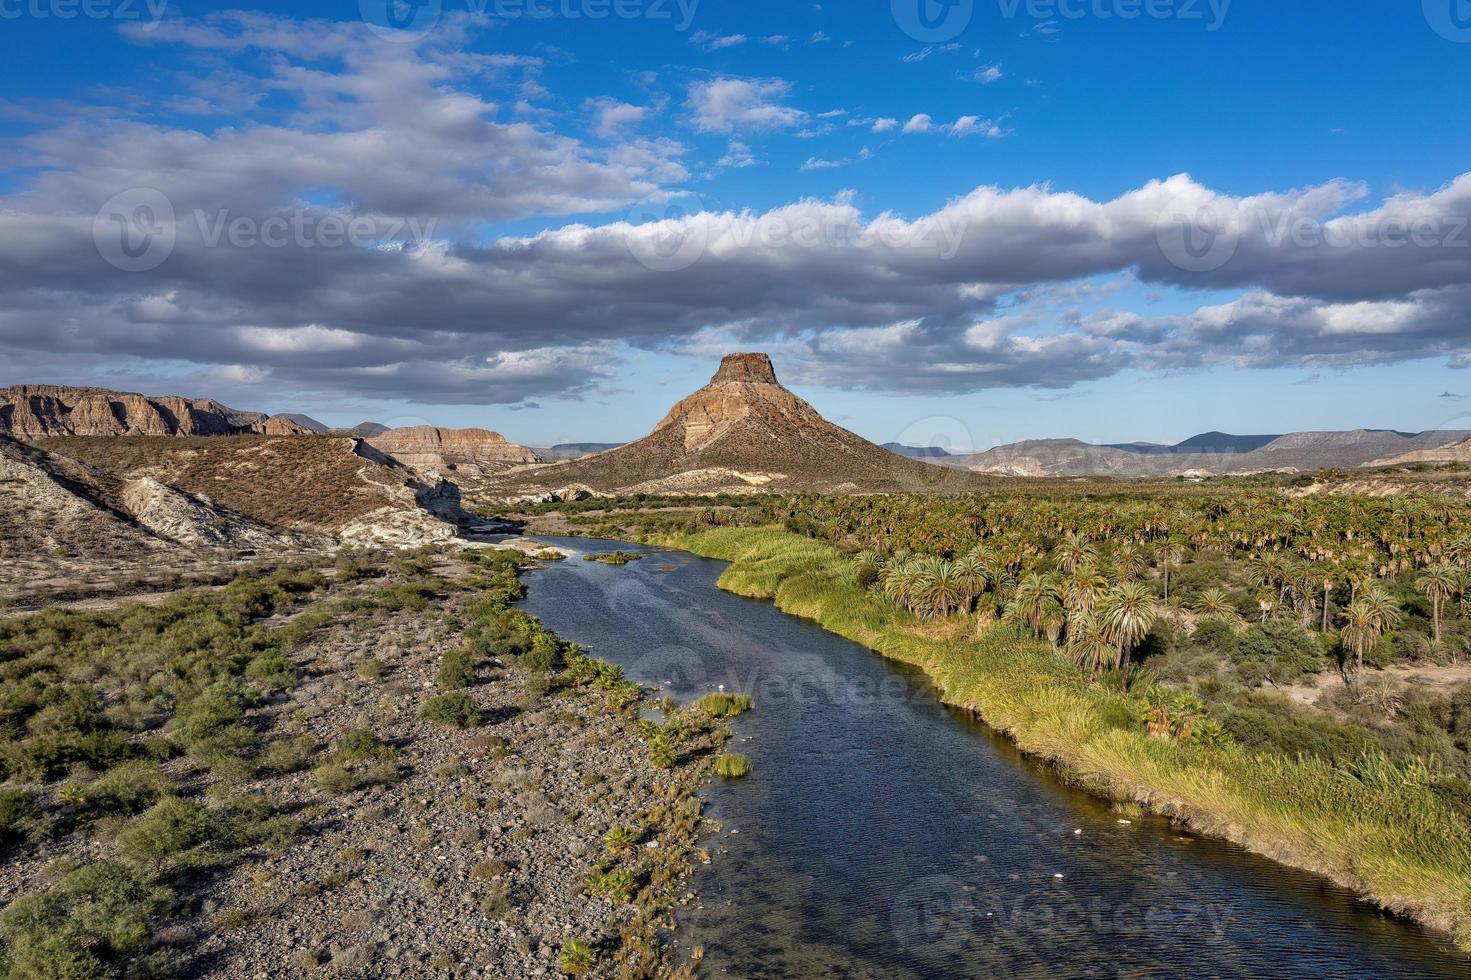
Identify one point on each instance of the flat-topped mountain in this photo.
(472, 452)
(36, 411)
(740, 432)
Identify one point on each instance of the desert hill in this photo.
(1458, 452)
(741, 432)
(1294, 452)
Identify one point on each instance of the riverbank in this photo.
(1381, 831)
(428, 783)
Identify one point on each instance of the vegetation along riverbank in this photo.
(1302, 785)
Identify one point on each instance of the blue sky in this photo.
(1051, 137)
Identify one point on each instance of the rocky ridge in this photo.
(37, 411)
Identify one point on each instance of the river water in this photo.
(881, 834)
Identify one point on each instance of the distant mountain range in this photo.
(916, 452)
(1210, 453)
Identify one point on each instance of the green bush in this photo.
(456, 670)
(458, 709)
(18, 815)
(663, 753)
(169, 829)
(125, 789)
(1279, 651)
(272, 670)
(85, 926)
(618, 885)
(359, 744)
(545, 653)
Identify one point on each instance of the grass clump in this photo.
(621, 840)
(457, 709)
(618, 885)
(718, 704)
(577, 958)
(732, 766)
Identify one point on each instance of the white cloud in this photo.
(920, 123)
(989, 74)
(724, 104)
(712, 42)
(884, 125)
(975, 126)
(737, 156)
(613, 117)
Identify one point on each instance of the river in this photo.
(881, 834)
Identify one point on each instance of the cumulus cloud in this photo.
(724, 104)
(920, 123)
(954, 300)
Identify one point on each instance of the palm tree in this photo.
(1082, 590)
(1213, 602)
(1360, 632)
(1089, 644)
(1128, 562)
(943, 587)
(1074, 551)
(973, 577)
(1128, 612)
(1029, 601)
(1439, 583)
(1171, 556)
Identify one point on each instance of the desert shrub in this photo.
(125, 789)
(663, 753)
(621, 840)
(19, 817)
(1214, 634)
(358, 745)
(456, 670)
(219, 706)
(272, 670)
(458, 709)
(287, 755)
(1261, 726)
(85, 926)
(732, 766)
(169, 829)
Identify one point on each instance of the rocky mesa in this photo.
(742, 432)
(466, 452)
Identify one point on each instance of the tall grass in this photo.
(1378, 827)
